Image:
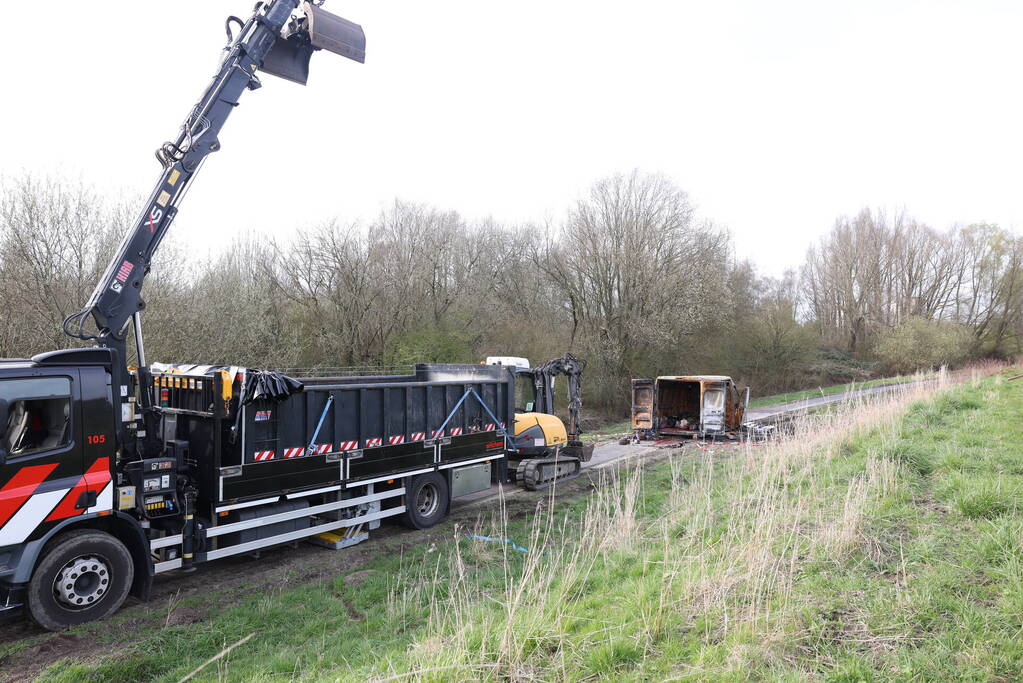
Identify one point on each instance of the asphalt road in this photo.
(771, 412)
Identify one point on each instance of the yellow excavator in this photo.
(546, 450)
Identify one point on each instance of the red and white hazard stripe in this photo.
(489, 428)
(321, 448)
(348, 445)
(455, 431)
(436, 433)
(418, 436)
(395, 440)
(260, 456)
(373, 443)
(22, 510)
(293, 452)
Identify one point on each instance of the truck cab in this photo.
(57, 460)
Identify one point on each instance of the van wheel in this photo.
(83, 576)
(426, 501)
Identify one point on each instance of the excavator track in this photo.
(536, 474)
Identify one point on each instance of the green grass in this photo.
(883, 543)
(762, 401)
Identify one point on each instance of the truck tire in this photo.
(426, 501)
(83, 576)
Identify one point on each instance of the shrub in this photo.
(920, 343)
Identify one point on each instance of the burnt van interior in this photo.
(678, 406)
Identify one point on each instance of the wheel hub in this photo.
(427, 500)
(82, 582)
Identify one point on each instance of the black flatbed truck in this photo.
(111, 474)
(238, 473)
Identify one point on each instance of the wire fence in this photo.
(347, 370)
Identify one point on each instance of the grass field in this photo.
(880, 543)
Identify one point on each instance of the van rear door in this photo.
(714, 409)
(642, 404)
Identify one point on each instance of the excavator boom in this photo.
(544, 377)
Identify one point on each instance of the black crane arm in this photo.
(272, 40)
(118, 294)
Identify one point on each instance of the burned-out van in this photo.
(697, 406)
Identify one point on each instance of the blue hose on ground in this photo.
(499, 540)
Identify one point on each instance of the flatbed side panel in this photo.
(471, 446)
(417, 414)
(346, 418)
(276, 477)
(369, 430)
(315, 405)
(374, 462)
(372, 413)
(436, 407)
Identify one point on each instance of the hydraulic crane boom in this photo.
(271, 40)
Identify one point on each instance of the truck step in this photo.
(336, 541)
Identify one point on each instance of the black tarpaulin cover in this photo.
(268, 385)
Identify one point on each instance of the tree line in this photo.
(632, 279)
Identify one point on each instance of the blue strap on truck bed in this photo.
(319, 425)
(509, 445)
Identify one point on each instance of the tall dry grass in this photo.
(728, 539)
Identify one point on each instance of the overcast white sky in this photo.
(776, 117)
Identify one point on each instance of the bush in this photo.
(431, 345)
(835, 366)
(919, 343)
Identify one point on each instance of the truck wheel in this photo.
(426, 501)
(82, 577)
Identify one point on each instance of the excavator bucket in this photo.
(332, 33)
(289, 59)
(318, 29)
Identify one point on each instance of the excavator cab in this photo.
(313, 29)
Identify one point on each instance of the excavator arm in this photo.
(543, 377)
